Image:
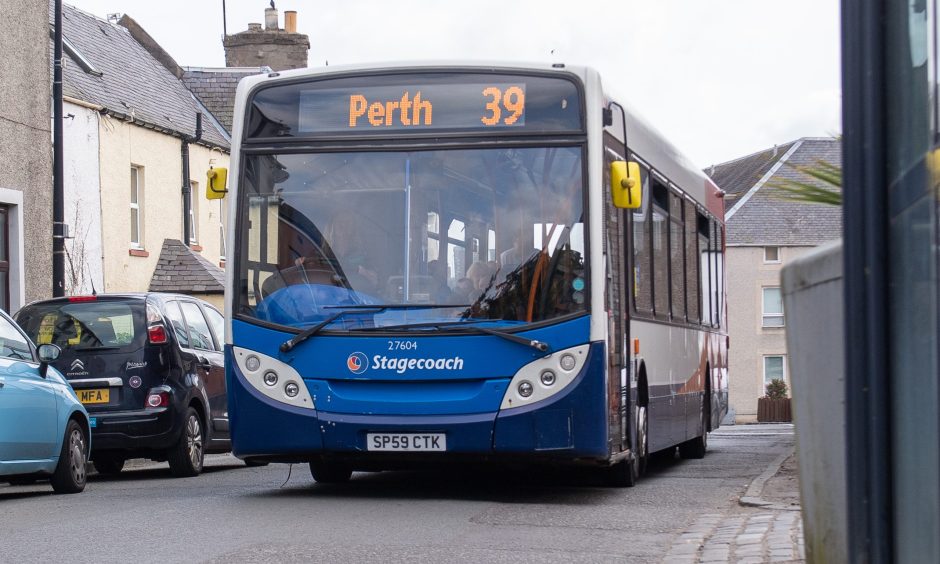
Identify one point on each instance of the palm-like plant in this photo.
(828, 189)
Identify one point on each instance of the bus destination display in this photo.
(413, 107)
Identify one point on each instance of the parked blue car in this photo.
(44, 430)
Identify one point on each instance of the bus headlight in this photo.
(525, 389)
(554, 373)
(547, 377)
(265, 374)
(270, 378)
(567, 362)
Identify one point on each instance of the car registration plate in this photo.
(95, 395)
(406, 442)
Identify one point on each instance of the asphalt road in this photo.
(275, 514)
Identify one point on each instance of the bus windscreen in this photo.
(413, 103)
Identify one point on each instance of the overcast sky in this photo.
(720, 78)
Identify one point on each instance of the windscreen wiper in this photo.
(460, 325)
(540, 346)
(289, 344)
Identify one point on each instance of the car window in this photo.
(85, 325)
(12, 343)
(177, 323)
(218, 326)
(199, 335)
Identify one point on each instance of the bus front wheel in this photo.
(329, 472)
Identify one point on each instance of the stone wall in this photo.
(273, 48)
(26, 143)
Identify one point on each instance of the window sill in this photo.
(138, 253)
(195, 247)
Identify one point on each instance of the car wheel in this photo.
(186, 457)
(108, 464)
(69, 476)
(330, 472)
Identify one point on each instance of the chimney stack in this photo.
(270, 19)
(279, 49)
(290, 21)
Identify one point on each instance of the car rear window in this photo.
(98, 325)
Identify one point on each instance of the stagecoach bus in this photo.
(466, 262)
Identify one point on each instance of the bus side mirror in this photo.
(215, 187)
(625, 186)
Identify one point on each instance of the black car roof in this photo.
(161, 297)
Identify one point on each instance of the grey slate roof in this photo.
(132, 84)
(182, 270)
(215, 88)
(738, 176)
(756, 213)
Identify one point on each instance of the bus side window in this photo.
(691, 264)
(642, 257)
(659, 228)
(718, 262)
(705, 268)
(677, 257)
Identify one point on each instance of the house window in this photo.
(774, 368)
(772, 308)
(193, 212)
(136, 205)
(221, 231)
(771, 254)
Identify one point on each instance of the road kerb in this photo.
(752, 497)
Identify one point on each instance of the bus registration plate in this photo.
(406, 442)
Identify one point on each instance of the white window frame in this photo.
(772, 261)
(14, 199)
(193, 213)
(763, 308)
(222, 249)
(783, 367)
(137, 208)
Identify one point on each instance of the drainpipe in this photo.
(58, 192)
(187, 187)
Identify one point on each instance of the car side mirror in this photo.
(47, 354)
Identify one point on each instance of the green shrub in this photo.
(776, 389)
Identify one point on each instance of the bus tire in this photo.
(623, 474)
(695, 448)
(330, 472)
(642, 436)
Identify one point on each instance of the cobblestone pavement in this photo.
(771, 531)
(748, 536)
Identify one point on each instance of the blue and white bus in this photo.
(437, 262)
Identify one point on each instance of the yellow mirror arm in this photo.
(628, 183)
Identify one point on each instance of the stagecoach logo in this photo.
(357, 363)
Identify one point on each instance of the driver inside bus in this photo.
(347, 253)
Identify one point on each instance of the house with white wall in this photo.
(129, 123)
(765, 231)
